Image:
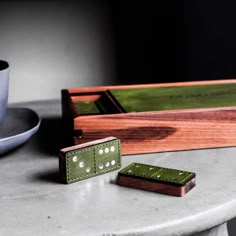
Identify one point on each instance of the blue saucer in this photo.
(18, 126)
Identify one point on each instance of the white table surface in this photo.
(33, 202)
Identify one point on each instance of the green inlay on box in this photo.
(87, 107)
(101, 106)
(176, 97)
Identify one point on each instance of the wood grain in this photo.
(159, 131)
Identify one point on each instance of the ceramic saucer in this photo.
(18, 126)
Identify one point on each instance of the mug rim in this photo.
(3, 65)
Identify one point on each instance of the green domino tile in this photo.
(107, 156)
(137, 169)
(80, 164)
(90, 159)
(156, 173)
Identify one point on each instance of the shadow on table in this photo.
(51, 176)
(49, 138)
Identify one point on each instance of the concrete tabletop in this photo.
(34, 202)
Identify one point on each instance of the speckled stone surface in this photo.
(33, 202)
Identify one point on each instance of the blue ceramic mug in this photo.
(4, 85)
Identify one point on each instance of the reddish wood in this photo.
(88, 144)
(157, 131)
(164, 188)
(85, 98)
(104, 88)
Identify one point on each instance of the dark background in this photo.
(160, 41)
(58, 44)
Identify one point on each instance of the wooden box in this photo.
(153, 117)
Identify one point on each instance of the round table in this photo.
(34, 202)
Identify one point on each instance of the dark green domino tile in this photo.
(107, 156)
(137, 169)
(172, 176)
(156, 173)
(80, 164)
(87, 160)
